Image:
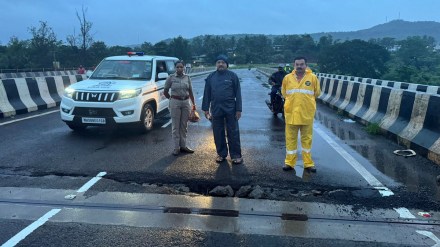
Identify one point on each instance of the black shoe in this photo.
(176, 152)
(287, 168)
(186, 150)
(310, 169)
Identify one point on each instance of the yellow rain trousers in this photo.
(299, 111)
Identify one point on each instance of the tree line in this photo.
(413, 59)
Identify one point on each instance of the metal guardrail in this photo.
(199, 69)
(267, 70)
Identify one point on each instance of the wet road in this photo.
(47, 159)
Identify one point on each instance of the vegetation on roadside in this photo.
(373, 128)
(340, 112)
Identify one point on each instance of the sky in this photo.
(130, 22)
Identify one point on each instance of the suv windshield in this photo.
(123, 69)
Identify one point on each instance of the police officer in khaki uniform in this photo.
(181, 93)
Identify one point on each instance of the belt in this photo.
(179, 97)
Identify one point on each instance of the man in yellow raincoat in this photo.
(300, 88)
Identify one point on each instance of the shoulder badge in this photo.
(308, 83)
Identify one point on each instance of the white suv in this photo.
(122, 89)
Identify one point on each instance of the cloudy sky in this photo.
(127, 22)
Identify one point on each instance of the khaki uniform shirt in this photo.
(179, 85)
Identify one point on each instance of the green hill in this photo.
(398, 29)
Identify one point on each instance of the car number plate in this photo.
(93, 120)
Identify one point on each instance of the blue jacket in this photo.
(222, 93)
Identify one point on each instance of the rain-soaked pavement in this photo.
(43, 161)
(417, 174)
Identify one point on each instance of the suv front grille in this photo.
(93, 112)
(95, 96)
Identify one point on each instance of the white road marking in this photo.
(431, 236)
(91, 182)
(32, 227)
(384, 191)
(404, 213)
(166, 125)
(21, 119)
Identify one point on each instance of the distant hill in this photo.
(398, 29)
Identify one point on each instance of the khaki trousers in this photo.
(179, 110)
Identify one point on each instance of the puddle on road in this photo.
(335, 126)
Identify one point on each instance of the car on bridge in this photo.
(121, 90)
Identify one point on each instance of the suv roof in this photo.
(143, 58)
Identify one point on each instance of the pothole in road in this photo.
(359, 198)
(250, 191)
(305, 192)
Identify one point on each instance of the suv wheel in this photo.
(147, 118)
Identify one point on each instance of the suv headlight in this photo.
(129, 93)
(68, 92)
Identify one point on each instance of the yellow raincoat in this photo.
(300, 104)
(299, 111)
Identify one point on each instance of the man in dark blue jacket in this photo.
(222, 97)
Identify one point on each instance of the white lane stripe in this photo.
(431, 236)
(21, 119)
(32, 227)
(384, 191)
(91, 182)
(166, 125)
(404, 213)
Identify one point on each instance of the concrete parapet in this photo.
(392, 84)
(36, 74)
(410, 117)
(23, 95)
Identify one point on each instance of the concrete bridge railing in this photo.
(393, 84)
(409, 117)
(36, 74)
(23, 95)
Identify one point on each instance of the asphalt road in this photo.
(42, 161)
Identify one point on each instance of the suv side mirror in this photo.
(162, 75)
